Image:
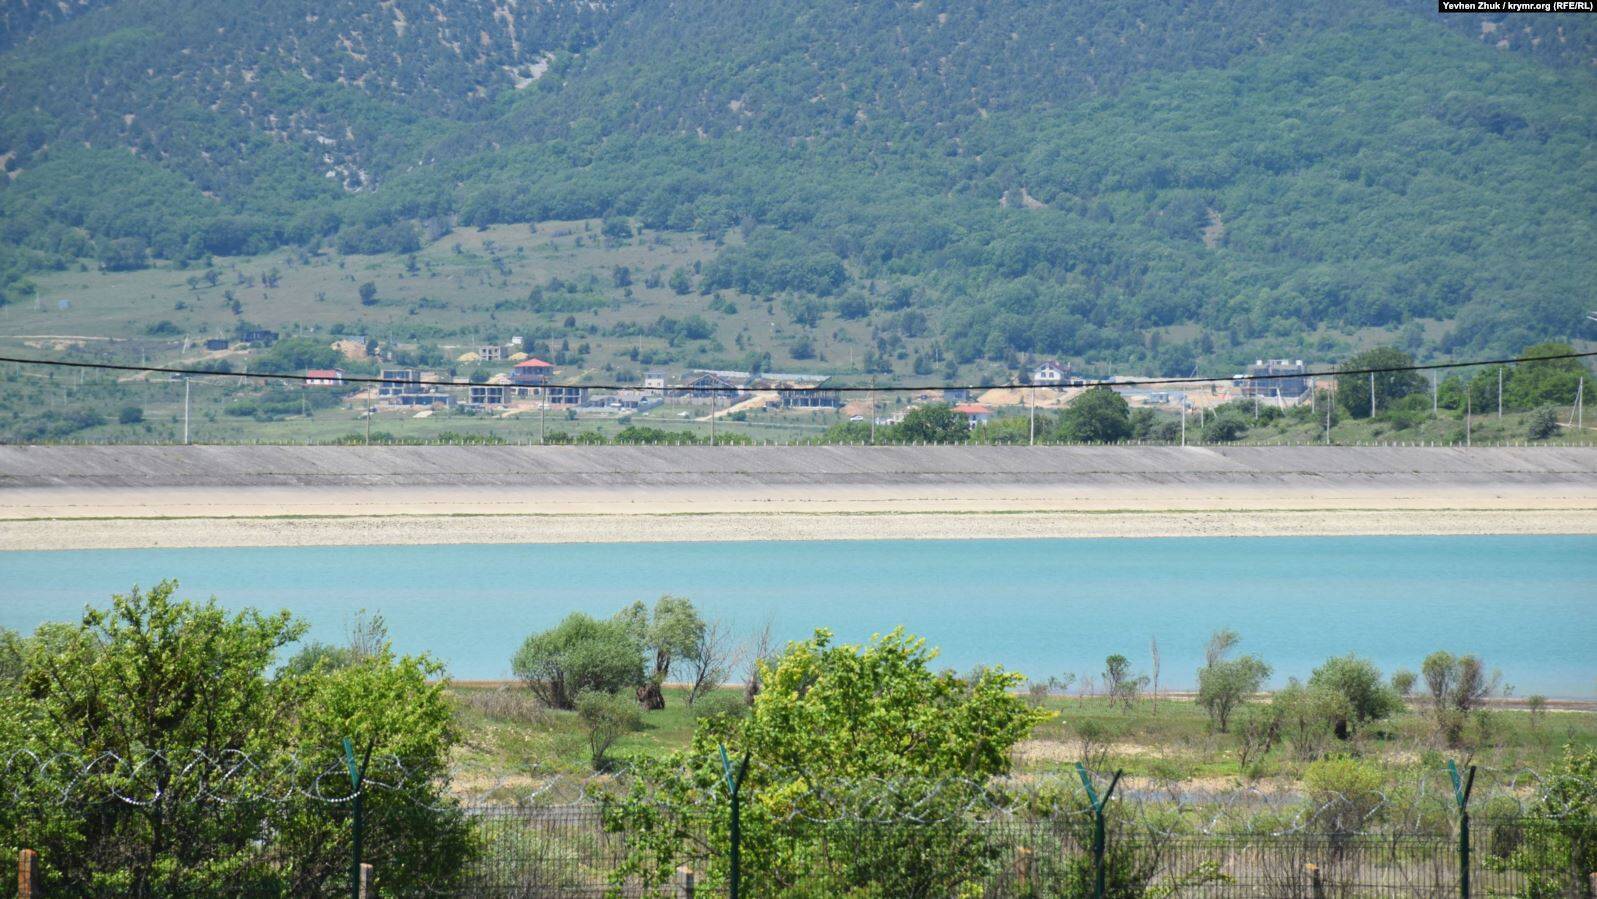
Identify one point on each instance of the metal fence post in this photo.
(1461, 791)
(358, 872)
(734, 785)
(1099, 837)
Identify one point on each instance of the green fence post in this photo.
(734, 786)
(1099, 837)
(357, 776)
(1461, 791)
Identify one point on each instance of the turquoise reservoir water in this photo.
(1527, 605)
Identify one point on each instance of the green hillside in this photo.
(947, 186)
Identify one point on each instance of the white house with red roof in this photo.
(324, 377)
(976, 412)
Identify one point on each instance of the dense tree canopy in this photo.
(1077, 181)
(1099, 415)
(1353, 390)
(831, 715)
(580, 654)
(180, 693)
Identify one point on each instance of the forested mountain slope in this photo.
(1087, 180)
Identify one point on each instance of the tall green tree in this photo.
(932, 423)
(1551, 382)
(1557, 850)
(1099, 415)
(1353, 390)
(829, 721)
(668, 637)
(1120, 682)
(1225, 684)
(175, 704)
(1364, 695)
(577, 655)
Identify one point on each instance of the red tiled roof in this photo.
(534, 363)
(324, 373)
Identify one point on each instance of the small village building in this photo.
(1049, 374)
(324, 377)
(1284, 378)
(427, 398)
(654, 380)
(480, 395)
(490, 353)
(217, 343)
(397, 381)
(1055, 374)
(630, 399)
(531, 373)
(259, 336)
(410, 387)
(977, 413)
(708, 384)
(808, 394)
(565, 395)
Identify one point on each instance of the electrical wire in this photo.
(886, 388)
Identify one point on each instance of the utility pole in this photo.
(1580, 405)
(1433, 394)
(1183, 421)
(872, 415)
(713, 397)
(1328, 421)
(543, 412)
(368, 425)
(185, 411)
(1499, 391)
(1372, 394)
(1033, 417)
(1469, 405)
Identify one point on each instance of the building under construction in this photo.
(1284, 378)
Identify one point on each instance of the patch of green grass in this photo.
(505, 732)
(469, 287)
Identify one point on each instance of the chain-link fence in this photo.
(166, 825)
(567, 851)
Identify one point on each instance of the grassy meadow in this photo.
(469, 287)
(506, 735)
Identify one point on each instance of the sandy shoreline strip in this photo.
(55, 498)
(128, 533)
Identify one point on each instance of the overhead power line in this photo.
(1128, 382)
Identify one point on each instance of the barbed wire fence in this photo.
(542, 832)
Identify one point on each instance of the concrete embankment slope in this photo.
(65, 497)
(122, 467)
